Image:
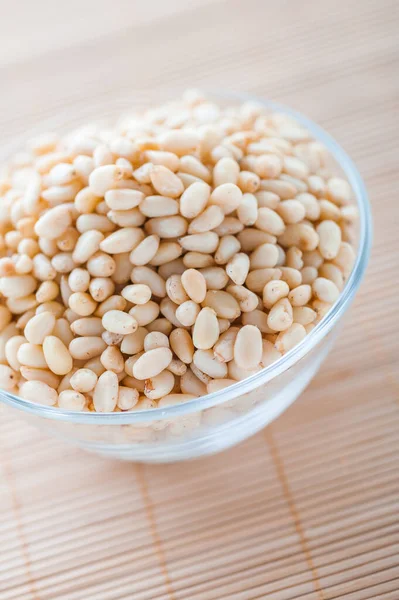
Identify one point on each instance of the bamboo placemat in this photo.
(308, 508)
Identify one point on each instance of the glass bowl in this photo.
(217, 421)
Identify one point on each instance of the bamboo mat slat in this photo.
(308, 508)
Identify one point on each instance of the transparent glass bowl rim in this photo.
(286, 361)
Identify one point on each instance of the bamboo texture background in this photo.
(307, 509)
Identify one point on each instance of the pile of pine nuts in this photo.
(180, 252)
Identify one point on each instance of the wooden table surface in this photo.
(307, 509)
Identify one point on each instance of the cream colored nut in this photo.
(345, 259)
(87, 326)
(17, 286)
(137, 293)
(168, 309)
(247, 300)
(47, 377)
(238, 267)
(182, 345)
(71, 400)
(304, 315)
(291, 211)
(8, 377)
(267, 199)
(269, 221)
(265, 256)
(338, 191)
(227, 196)
(294, 258)
(190, 384)
(309, 274)
(155, 339)
(143, 314)
(187, 313)
(175, 289)
(301, 235)
(83, 380)
(206, 361)
(165, 182)
(21, 305)
(123, 199)
(167, 159)
(224, 347)
(5, 317)
(82, 304)
(11, 351)
(273, 292)
(329, 239)
(247, 211)
(148, 277)
(216, 277)
(209, 219)
(127, 398)
(269, 354)
(54, 222)
(192, 166)
(117, 321)
(86, 347)
(226, 170)
(248, 347)
(39, 327)
(206, 329)
(177, 367)
(38, 392)
(101, 288)
(330, 271)
(57, 356)
(159, 386)
(224, 305)
(112, 339)
(112, 359)
(280, 316)
(268, 166)
(159, 206)
(325, 290)
(88, 222)
(31, 355)
(166, 252)
(167, 227)
(291, 276)
(123, 268)
(106, 177)
(194, 284)
(197, 260)
(63, 262)
(152, 363)
(126, 218)
(258, 278)
(194, 199)
(78, 280)
(248, 182)
(86, 201)
(145, 251)
(123, 240)
(200, 242)
(87, 245)
(300, 295)
(230, 226)
(105, 394)
(250, 239)
(238, 373)
(134, 342)
(329, 211)
(56, 308)
(227, 248)
(179, 141)
(286, 340)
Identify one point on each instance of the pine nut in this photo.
(85, 348)
(127, 398)
(265, 256)
(137, 293)
(200, 242)
(325, 290)
(194, 284)
(303, 315)
(159, 386)
(167, 252)
(143, 314)
(101, 288)
(187, 313)
(247, 211)
(123, 240)
(227, 248)
(39, 327)
(150, 278)
(329, 239)
(117, 321)
(182, 345)
(145, 251)
(105, 394)
(269, 354)
(237, 268)
(224, 305)
(57, 356)
(112, 359)
(290, 337)
(37, 391)
(258, 318)
(300, 295)
(194, 200)
(87, 245)
(280, 316)
(190, 384)
(248, 347)
(54, 222)
(229, 226)
(83, 380)
(17, 286)
(273, 292)
(166, 182)
(152, 363)
(206, 329)
(123, 199)
(105, 178)
(227, 196)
